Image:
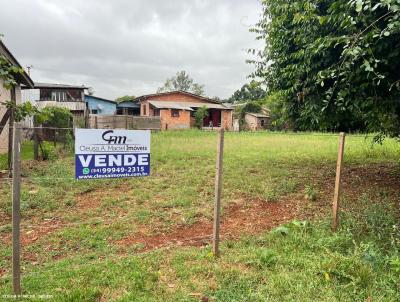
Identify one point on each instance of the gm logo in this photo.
(113, 139)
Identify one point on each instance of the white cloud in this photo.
(130, 47)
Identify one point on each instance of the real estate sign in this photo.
(106, 153)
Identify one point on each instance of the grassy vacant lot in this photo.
(147, 239)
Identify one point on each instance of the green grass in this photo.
(26, 154)
(80, 261)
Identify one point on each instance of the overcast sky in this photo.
(123, 47)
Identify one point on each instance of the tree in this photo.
(182, 81)
(199, 116)
(335, 65)
(249, 92)
(125, 98)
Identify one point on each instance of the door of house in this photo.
(216, 118)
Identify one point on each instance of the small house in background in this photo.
(14, 95)
(256, 121)
(71, 97)
(101, 106)
(176, 110)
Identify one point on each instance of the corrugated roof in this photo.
(170, 105)
(258, 114)
(59, 86)
(181, 92)
(99, 98)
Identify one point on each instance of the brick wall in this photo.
(169, 122)
(145, 109)
(226, 119)
(184, 120)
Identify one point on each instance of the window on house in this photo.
(262, 123)
(94, 111)
(174, 112)
(156, 112)
(144, 110)
(59, 96)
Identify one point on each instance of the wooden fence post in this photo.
(55, 137)
(336, 196)
(35, 142)
(218, 184)
(16, 215)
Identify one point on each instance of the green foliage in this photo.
(8, 73)
(310, 193)
(278, 112)
(199, 115)
(182, 81)
(23, 110)
(336, 63)
(125, 98)
(241, 110)
(69, 142)
(48, 151)
(56, 117)
(249, 92)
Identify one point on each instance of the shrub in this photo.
(199, 115)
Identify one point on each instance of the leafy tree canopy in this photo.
(249, 92)
(199, 116)
(248, 107)
(182, 81)
(125, 98)
(8, 72)
(333, 64)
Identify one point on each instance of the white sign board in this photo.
(106, 153)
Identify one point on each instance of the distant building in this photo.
(71, 97)
(256, 121)
(131, 107)
(176, 110)
(101, 106)
(14, 95)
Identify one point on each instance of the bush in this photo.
(199, 115)
(55, 117)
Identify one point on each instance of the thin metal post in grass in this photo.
(218, 184)
(336, 196)
(16, 215)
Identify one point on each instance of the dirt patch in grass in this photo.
(243, 217)
(252, 216)
(35, 230)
